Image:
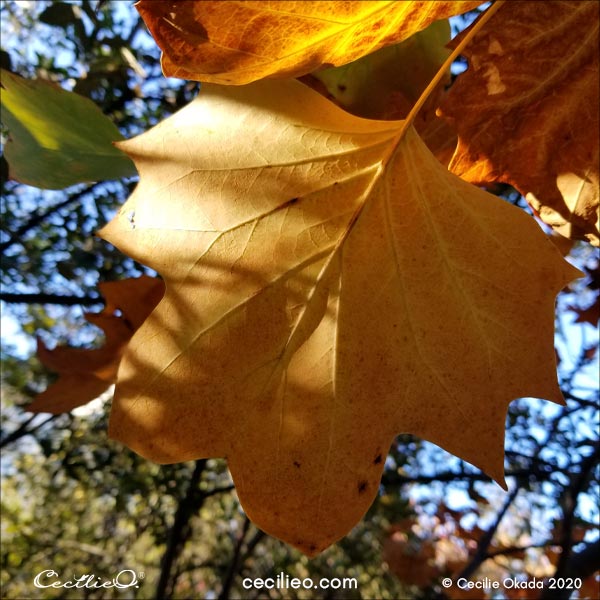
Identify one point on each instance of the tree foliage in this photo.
(329, 284)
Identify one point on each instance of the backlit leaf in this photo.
(363, 87)
(527, 110)
(84, 374)
(329, 285)
(57, 138)
(240, 42)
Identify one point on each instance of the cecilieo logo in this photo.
(122, 580)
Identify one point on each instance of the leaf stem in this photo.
(448, 62)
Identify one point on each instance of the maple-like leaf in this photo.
(329, 284)
(57, 138)
(240, 42)
(527, 110)
(84, 374)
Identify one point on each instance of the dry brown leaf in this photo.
(564, 245)
(421, 560)
(590, 586)
(527, 110)
(240, 42)
(329, 285)
(590, 314)
(413, 563)
(84, 374)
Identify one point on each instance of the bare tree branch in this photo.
(42, 298)
(24, 430)
(219, 490)
(585, 562)
(235, 563)
(569, 502)
(37, 217)
(481, 554)
(180, 532)
(394, 479)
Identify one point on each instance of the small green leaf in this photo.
(57, 138)
(365, 86)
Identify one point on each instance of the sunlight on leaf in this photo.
(57, 138)
(329, 285)
(527, 110)
(240, 42)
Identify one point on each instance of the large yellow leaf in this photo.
(86, 373)
(527, 110)
(240, 42)
(329, 285)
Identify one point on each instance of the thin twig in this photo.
(391, 479)
(481, 554)
(42, 298)
(470, 34)
(569, 501)
(36, 218)
(218, 490)
(23, 430)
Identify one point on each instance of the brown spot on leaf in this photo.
(362, 486)
(297, 464)
(378, 459)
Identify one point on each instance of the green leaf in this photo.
(366, 86)
(57, 138)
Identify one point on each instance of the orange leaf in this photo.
(590, 314)
(412, 563)
(240, 42)
(84, 374)
(527, 110)
(591, 587)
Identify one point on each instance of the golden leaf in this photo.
(240, 42)
(84, 374)
(329, 285)
(527, 110)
